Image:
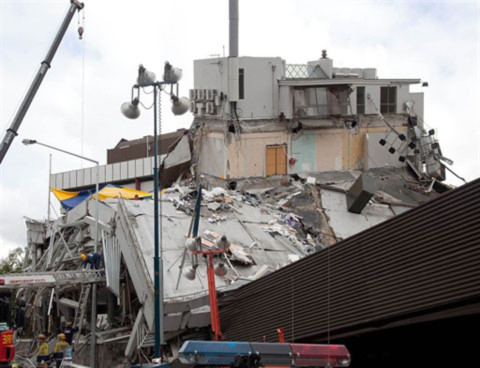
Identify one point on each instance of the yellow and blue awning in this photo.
(70, 200)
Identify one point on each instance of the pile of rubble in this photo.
(269, 222)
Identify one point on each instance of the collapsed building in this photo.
(292, 158)
(269, 223)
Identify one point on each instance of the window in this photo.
(360, 100)
(320, 101)
(241, 84)
(388, 100)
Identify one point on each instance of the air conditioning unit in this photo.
(211, 93)
(210, 108)
(218, 100)
(192, 95)
(200, 108)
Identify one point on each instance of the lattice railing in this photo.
(297, 71)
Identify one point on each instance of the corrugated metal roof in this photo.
(425, 259)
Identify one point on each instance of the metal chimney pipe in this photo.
(233, 43)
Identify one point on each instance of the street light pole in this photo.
(158, 260)
(93, 325)
(130, 110)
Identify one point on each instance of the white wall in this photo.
(403, 95)
(211, 74)
(261, 91)
(286, 101)
(374, 92)
(417, 98)
(212, 158)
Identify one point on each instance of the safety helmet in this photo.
(62, 336)
(84, 256)
(41, 337)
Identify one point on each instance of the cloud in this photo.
(436, 41)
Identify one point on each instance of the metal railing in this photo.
(296, 71)
(303, 71)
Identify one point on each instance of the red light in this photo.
(7, 349)
(320, 355)
(2, 282)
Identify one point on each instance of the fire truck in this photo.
(7, 349)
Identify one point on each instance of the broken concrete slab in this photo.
(360, 193)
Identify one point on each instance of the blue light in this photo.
(213, 352)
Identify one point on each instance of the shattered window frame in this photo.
(320, 102)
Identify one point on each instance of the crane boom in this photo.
(12, 131)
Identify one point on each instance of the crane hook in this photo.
(80, 32)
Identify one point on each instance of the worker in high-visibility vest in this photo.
(94, 260)
(59, 350)
(43, 357)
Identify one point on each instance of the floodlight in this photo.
(222, 242)
(221, 270)
(130, 109)
(180, 105)
(145, 77)
(191, 244)
(172, 74)
(190, 274)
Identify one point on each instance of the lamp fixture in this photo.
(221, 270)
(191, 273)
(28, 142)
(180, 105)
(130, 109)
(172, 74)
(145, 77)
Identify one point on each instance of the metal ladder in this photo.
(51, 279)
(80, 313)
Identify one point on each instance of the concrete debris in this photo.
(240, 254)
(269, 223)
(293, 257)
(360, 193)
(214, 206)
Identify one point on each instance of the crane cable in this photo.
(81, 29)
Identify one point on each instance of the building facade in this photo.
(257, 116)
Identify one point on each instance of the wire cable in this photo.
(160, 206)
(82, 114)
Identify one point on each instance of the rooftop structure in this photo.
(262, 117)
(126, 150)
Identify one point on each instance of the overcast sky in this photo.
(437, 41)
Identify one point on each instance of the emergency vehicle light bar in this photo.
(253, 354)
